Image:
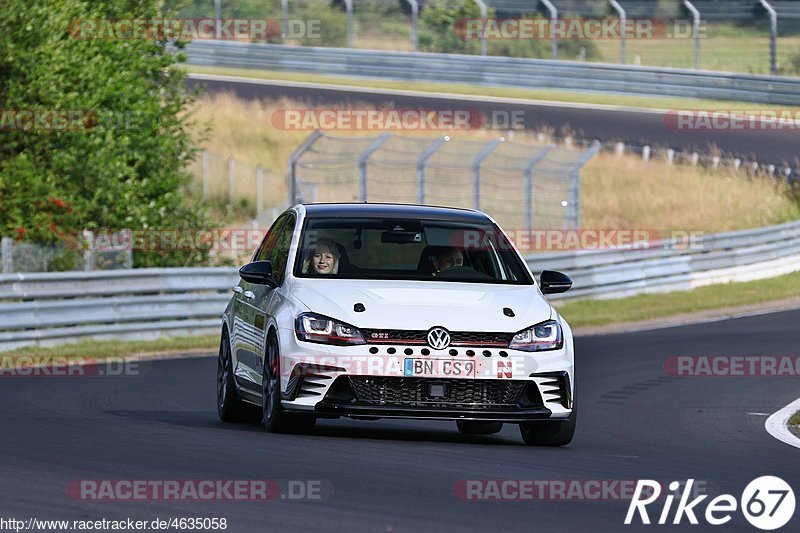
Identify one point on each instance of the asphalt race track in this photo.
(778, 147)
(636, 421)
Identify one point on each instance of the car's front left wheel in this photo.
(550, 433)
(274, 416)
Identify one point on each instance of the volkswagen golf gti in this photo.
(375, 311)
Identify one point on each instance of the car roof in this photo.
(364, 210)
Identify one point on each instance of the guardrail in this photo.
(499, 71)
(50, 308)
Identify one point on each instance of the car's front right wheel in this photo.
(230, 406)
(274, 416)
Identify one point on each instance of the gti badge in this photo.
(438, 338)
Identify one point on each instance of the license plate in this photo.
(440, 368)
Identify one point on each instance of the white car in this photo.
(396, 311)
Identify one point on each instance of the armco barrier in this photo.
(499, 71)
(50, 308)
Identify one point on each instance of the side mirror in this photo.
(552, 282)
(259, 273)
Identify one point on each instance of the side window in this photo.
(276, 246)
(269, 239)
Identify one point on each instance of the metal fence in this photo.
(522, 185)
(52, 308)
(109, 251)
(500, 71)
(394, 24)
(222, 180)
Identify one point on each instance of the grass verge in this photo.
(794, 420)
(113, 348)
(654, 306)
(503, 92)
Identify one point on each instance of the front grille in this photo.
(457, 338)
(459, 393)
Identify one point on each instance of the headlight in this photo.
(317, 328)
(543, 336)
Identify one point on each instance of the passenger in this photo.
(448, 258)
(323, 258)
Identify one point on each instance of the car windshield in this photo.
(408, 249)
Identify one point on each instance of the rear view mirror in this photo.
(258, 272)
(552, 282)
(401, 237)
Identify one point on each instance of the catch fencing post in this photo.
(205, 175)
(293, 160)
(574, 208)
(88, 251)
(127, 237)
(482, 7)
(773, 37)
(414, 23)
(259, 190)
(696, 31)
(423, 159)
(231, 181)
(349, 6)
(284, 18)
(553, 38)
(8, 264)
(623, 52)
(362, 165)
(529, 185)
(476, 171)
(218, 19)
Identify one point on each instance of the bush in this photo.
(441, 30)
(123, 164)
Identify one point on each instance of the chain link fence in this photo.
(750, 26)
(106, 251)
(523, 186)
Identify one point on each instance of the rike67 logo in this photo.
(767, 503)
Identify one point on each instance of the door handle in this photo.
(238, 290)
(249, 295)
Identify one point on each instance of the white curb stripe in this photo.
(776, 424)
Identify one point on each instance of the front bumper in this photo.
(488, 415)
(329, 381)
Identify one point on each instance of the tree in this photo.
(120, 162)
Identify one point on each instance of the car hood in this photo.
(420, 305)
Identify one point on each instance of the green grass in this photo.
(794, 420)
(726, 48)
(102, 349)
(503, 92)
(650, 306)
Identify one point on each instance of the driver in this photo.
(323, 258)
(448, 258)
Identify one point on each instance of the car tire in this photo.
(477, 427)
(550, 433)
(274, 416)
(230, 406)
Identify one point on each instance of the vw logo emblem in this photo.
(438, 338)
